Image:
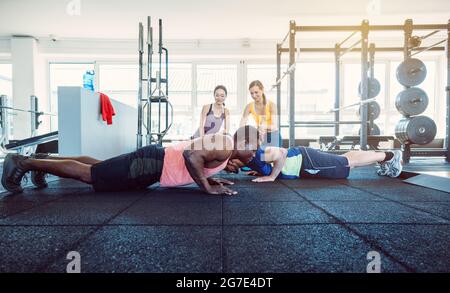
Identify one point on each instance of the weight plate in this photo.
(416, 130)
(411, 72)
(373, 110)
(374, 88)
(375, 130)
(411, 101)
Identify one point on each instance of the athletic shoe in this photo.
(13, 172)
(394, 165)
(38, 177)
(381, 169)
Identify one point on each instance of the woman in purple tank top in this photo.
(215, 117)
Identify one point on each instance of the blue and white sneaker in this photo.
(394, 165)
(381, 169)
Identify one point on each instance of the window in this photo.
(267, 74)
(6, 79)
(6, 88)
(209, 76)
(314, 87)
(121, 82)
(180, 95)
(180, 85)
(64, 74)
(191, 86)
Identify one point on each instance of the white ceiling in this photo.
(204, 19)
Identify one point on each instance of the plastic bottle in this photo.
(88, 80)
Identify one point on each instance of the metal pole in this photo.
(408, 30)
(429, 35)
(364, 83)
(350, 28)
(326, 122)
(167, 90)
(159, 82)
(447, 128)
(372, 60)
(285, 37)
(279, 85)
(361, 102)
(149, 78)
(347, 38)
(309, 125)
(349, 49)
(150, 94)
(372, 76)
(379, 49)
(337, 96)
(292, 84)
(4, 120)
(34, 116)
(139, 104)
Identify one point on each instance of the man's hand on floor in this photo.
(220, 189)
(219, 181)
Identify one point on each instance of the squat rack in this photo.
(407, 53)
(364, 30)
(155, 94)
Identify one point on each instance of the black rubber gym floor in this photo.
(286, 226)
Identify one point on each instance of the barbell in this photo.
(287, 72)
(411, 72)
(351, 105)
(28, 111)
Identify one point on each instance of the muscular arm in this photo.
(277, 156)
(195, 161)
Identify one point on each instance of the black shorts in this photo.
(135, 170)
(318, 164)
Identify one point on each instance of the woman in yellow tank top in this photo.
(264, 113)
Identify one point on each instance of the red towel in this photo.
(106, 108)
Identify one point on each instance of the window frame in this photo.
(242, 79)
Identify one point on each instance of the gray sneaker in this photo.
(394, 165)
(13, 172)
(38, 177)
(381, 169)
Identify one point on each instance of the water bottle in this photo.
(88, 80)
